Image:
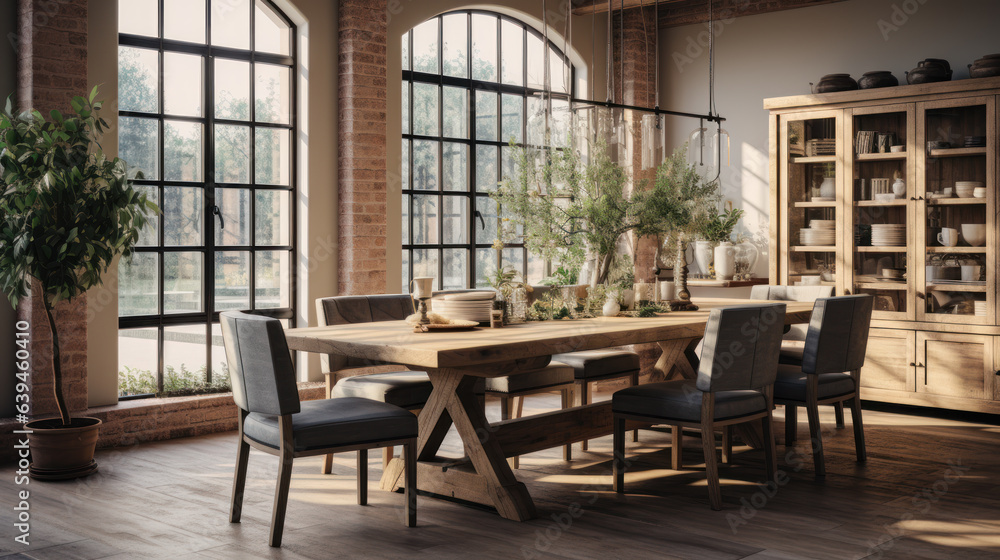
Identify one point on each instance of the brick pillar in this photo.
(634, 57)
(51, 69)
(363, 30)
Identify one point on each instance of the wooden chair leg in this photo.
(239, 480)
(281, 498)
(635, 383)
(711, 466)
(328, 463)
(859, 430)
(815, 430)
(410, 482)
(727, 445)
(838, 411)
(567, 402)
(362, 477)
(770, 453)
(584, 400)
(791, 425)
(387, 454)
(618, 461)
(676, 447)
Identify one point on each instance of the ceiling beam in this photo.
(674, 13)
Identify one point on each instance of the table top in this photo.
(395, 342)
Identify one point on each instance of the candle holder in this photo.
(682, 301)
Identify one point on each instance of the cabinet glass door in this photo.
(810, 168)
(957, 204)
(882, 203)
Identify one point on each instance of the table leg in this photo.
(673, 362)
(453, 400)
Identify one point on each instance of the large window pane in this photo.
(232, 89)
(183, 85)
(273, 217)
(149, 236)
(455, 51)
(182, 151)
(220, 366)
(425, 47)
(272, 34)
(272, 156)
(536, 62)
(234, 204)
(406, 270)
(273, 94)
(182, 216)
(182, 278)
(425, 109)
(425, 263)
(272, 279)
(513, 257)
(139, 144)
(456, 220)
(486, 116)
(456, 269)
(184, 20)
(139, 17)
(558, 75)
(405, 107)
(405, 46)
(138, 79)
(484, 47)
(486, 263)
(486, 168)
(455, 117)
(512, 119)
(425, 220)
(232, 154)
(184, 356)
(486, 227)
(404, 165)
(232, 280)
(405, 225)
(231, 23)
(456, 166)
(512, 58)
(425, 165)
(138, 285)
(138, 361)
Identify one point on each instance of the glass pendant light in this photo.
(705, 144)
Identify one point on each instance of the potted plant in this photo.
(66, 213)
(719, 232)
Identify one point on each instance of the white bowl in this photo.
(822, 224)
(979, 192)
(974, 234)
(965, 191)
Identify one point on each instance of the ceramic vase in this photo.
(703, 254)
(725, 261)
(611, 307)
(828, 188)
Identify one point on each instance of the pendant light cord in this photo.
(711, 59)
(609, 78)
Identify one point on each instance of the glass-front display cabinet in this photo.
(957, 192)
(810, 194)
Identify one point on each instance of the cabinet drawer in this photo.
(955, 365)
(889, 360)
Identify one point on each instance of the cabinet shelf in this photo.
(811, 204)
(814, 248)
(879, 249)
(954, 201)
(956, 288)
(958, 152)
(893, 202)
(899, 286)
(956, 249)
(814, 159)
(880, 156)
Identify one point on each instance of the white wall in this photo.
(777, 54)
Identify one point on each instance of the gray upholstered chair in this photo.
(834, 352)
(272, 419)
(411, 389)
(735, 376)
(598, 365)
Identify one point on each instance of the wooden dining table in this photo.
(455, 360)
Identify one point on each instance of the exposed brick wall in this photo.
(51, 69)
(363, 29)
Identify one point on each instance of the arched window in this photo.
(206, 112)
(460, 114)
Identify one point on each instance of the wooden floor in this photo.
(930, 489)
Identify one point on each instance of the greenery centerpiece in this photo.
(67, 211)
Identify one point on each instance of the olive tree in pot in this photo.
(66, 212)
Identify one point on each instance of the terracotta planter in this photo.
(59, 453)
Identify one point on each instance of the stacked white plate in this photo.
(980, 307)
(822, 232)
(469, 306)
(888, 235)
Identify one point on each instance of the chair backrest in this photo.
(741, 347)
(792, 293)
(343, 310)
(838, 334)
(260, 364)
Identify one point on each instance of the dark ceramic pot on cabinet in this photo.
(985, 67)
(835, 82)
(877, 79)
(929, 71)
